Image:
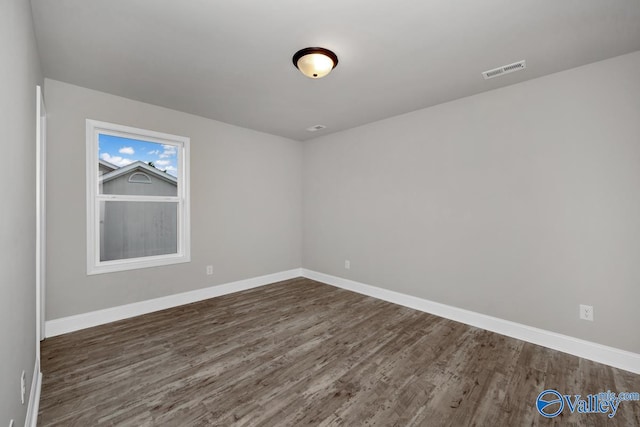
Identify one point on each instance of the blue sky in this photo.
(123, 151)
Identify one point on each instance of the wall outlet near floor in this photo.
(209, 270)
(23, 387)
(586, 312)
(347, 264)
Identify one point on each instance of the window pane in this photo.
(129, 166)
(137, 229)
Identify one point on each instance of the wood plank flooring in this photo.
(301, 353)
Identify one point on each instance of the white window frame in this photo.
(94, 265)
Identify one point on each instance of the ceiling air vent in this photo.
(505, 69)
(315, 128)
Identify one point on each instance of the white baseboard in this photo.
(34, 397)
(100, 317)
(598, 353)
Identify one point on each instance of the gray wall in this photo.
(19, 74)
(245, 203)
(520, 203)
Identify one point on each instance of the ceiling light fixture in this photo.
(315, 62)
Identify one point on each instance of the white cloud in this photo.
(162, 162)
(169, 151)
(154, 152)
(116, 160)
(171, 170)
(126, 150)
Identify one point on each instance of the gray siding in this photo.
(138, 229)
(102, 169)
(157, 186)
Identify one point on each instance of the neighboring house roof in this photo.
(107, 164)
(141, 166)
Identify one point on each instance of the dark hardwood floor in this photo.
(300, 353)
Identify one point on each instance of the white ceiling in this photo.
(230, 60)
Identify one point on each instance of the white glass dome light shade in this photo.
(315, 62)
(315, 65)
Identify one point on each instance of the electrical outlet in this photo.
(23, 387)
(209, 270)
(347, 264)
(586, 312)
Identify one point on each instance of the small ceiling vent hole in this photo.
(505, 69)
(316, 128)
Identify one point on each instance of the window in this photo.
(140, 178)
(137, 198)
